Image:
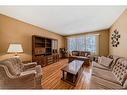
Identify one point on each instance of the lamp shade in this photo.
(15, 48)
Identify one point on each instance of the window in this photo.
(91, 43)
(84, 43)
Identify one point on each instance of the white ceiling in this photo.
(66, 20)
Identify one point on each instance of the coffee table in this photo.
(85, 59)
(72, 71)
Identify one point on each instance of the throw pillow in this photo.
(99, 60)
(105, 61)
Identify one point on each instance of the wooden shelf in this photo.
(43, 50)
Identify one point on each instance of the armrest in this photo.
(38, 70)
(29, 65)
(24, 77)
(28, 75)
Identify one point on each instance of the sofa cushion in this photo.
(105, 61)
(99, 83)
(28, 72)
(115, 59)
(120, 70)
(105, 74)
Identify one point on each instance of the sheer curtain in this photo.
(84, 43)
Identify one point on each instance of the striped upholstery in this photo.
(120, 70)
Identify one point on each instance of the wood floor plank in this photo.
(52, 77)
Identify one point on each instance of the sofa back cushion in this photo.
(14, 65)
(120, 70)
(105, 61)
(84, 53)
(75, 53)
(17, 62)
(81, 53)
(115, 59)
(12, 69)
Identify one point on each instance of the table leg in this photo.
(63, 74)
(74, 78)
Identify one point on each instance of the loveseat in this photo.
(16, 75)
(80, 55)
(109, 73)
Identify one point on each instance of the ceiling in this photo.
(66, 20)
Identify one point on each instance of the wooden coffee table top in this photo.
(73, 67)
(80, 57)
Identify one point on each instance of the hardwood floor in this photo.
(52, 77)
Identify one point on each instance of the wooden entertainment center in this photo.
(44, 50)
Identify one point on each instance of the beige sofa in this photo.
(113, 76)
(16, 75)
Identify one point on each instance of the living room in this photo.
(77, 49)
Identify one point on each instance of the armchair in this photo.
(16, 75)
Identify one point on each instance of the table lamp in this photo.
(15, 48)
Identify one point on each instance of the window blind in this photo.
(84, 43)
